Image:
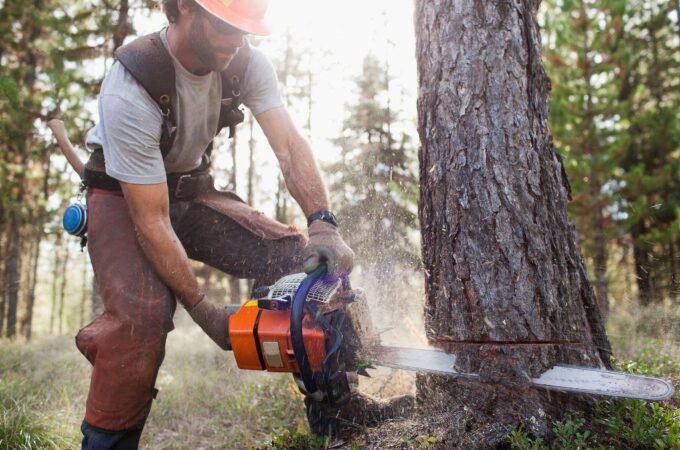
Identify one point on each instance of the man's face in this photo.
(213, 41)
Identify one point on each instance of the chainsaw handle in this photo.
(296, 313)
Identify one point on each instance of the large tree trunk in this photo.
(507, 290)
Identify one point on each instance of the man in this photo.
(151, 204)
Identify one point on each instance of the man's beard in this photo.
(207, 53)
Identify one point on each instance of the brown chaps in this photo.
(126, 343)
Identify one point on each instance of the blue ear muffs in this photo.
(75, 220)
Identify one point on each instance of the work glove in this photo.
(326, 245)
(213, 320)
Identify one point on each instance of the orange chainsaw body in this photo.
(260, 339)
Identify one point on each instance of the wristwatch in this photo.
(324, 215)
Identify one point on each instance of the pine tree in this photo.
(582, 36)
(650, 167)
(374, 183)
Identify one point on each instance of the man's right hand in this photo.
(326, 245)
(214, 321)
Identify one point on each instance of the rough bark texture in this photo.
(507, 290)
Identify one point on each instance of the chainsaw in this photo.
(307, 325)
(319, 330)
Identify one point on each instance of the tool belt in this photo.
(181, 186)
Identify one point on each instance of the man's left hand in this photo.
(326, 245)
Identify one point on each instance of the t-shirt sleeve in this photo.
(260, 85)
(129, 131)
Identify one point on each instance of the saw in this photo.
(319, 330)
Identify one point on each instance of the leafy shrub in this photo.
(520, 440)
(569, 433)
(637, 424)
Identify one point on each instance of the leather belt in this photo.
(181, 186)
(187, 186)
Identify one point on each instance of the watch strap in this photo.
(325, 215)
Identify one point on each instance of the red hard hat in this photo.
(246, 15)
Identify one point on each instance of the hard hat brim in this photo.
(235, 18)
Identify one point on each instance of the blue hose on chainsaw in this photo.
(296, 314)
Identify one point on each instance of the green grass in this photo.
(205, 401)
(38, 395)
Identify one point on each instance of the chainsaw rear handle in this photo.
(296, 314)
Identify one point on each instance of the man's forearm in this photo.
(166, 254)
(303, 178)
(149, 209)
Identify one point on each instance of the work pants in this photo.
(125, 344)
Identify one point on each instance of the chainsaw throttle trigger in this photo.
(274, 304)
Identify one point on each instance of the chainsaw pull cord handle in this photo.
(296, 313)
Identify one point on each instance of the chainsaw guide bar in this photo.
(582, 380)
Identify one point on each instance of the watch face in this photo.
(330, 217)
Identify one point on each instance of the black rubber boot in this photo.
(97, 439)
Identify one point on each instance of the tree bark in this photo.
(673, 267)
(12, 274)
(62, 288)
(122, 28)
(644, 267)
(506, 287)
(3, 288)
(27, 323)
(56, 264)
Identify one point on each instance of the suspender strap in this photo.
(232, 76)
(150, 64)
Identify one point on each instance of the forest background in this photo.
(347, 74)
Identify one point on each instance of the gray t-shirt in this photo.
(129, 127)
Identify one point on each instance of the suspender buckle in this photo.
(178, 188)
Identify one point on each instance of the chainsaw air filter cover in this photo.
(286, 287)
